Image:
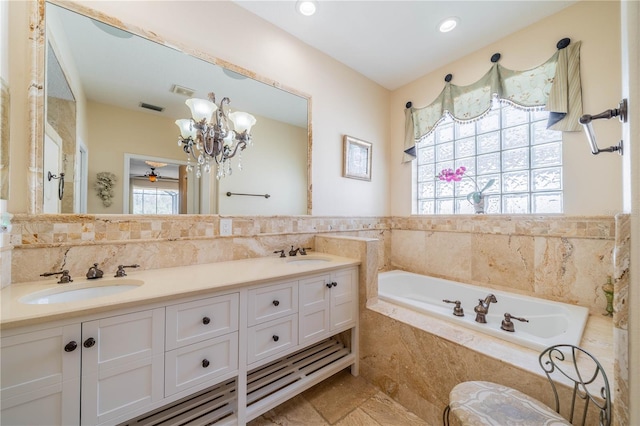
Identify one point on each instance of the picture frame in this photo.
(356, 158)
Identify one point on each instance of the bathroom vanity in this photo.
(221, 342)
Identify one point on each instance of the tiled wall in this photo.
(565, 259)
(44, 243)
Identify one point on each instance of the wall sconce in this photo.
(585, 120)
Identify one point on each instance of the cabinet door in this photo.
(315, 302)
(122, 365)
(344, 298)
(40, 377)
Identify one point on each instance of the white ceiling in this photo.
(396, 42)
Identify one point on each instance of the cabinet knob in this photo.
(206, 320)
(335, 284)
(329, 285)
(276, 302)
(89, 342)
(71, 346)
(205, 363)
(275, 338)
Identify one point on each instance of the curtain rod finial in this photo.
(408, 105)
(495, 57)
(563, 43)
(448, 77)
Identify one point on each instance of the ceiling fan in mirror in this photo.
(151, 174)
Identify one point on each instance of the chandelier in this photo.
(206, 135)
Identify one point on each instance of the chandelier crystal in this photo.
(207, 135)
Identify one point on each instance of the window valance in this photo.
(554, 85)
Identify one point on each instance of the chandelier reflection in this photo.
(207, 135)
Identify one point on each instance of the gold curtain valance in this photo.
(555, 85)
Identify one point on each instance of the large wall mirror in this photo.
(111, 97)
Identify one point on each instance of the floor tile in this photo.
(387, 412)
(337, 396)
(357, 418)
(297, 411)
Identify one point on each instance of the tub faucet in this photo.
(483, 308)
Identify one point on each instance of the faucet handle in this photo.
(281, 253)
(121, 273)
(457, 310)
(303, 251)
(64, 276)
(507, 325)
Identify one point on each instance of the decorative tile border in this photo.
(37, 230)
(598, 227)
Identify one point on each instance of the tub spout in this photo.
(483, 308)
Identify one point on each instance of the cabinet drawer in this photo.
(201, 362)
(272, 337)
(271, 302)
(196, 321)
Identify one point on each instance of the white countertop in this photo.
(159, 285)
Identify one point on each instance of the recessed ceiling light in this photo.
(307, 7)
(448, 24)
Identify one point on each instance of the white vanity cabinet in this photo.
(224, 356)
(328, 302)
(40, 377)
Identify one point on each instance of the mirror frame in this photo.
(36, 89)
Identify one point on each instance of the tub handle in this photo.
(457, 310)
(507, 325)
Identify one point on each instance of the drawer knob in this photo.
(206, 320)
(275, 338)
(71, 346)
(205, 363)
(89, 342)
(276, 302)
(332, 284)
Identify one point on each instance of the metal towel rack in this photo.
(229, 194)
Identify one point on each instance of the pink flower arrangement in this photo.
(450, 175)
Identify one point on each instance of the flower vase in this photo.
(477, 200)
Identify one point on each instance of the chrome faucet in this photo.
(483, 308)
(293, 252)
(94, 273)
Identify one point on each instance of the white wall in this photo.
(592, 184)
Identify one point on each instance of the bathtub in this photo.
(549, 323)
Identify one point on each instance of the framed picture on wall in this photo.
(357, 158)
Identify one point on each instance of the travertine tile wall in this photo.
(565, 259)
(622, 260)
(44, 243)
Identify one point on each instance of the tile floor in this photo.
(341, 400)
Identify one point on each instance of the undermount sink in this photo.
(83, 291)
(307, 260)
